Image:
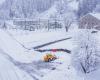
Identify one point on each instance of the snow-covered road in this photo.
(8, 71)
(13, 48)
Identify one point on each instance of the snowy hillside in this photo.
(53, 11)
(47, 14)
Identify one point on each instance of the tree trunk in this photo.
(66, 29)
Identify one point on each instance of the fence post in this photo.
(48, 25)
(55, 24)
(39, 23)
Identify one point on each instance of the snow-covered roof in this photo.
(97, 15)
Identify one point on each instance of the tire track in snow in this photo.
(18, 64)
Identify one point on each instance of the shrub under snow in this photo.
(85, 57)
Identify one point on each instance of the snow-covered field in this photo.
(10, 44)
(19, 63)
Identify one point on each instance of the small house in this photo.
(90, 21)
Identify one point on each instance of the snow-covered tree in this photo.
(43, 5)
(86, 6)
(65, 13)
(24, 8)
(97, 9)
(84, 56)
(4, 26)
(69, 18)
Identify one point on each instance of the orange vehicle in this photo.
(49, 57)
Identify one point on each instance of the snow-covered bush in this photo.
(86, 6)
(85, 55)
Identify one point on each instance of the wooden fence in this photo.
(38, 24)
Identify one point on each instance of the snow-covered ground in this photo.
(28, 64)
(32, 39)
(19, 57)
(65, 71)
(13, 48)
(8, 71)
(10, 43)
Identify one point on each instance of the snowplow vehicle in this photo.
(49, 57)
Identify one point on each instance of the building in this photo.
(90, 21)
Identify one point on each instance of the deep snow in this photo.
(10, 44)
(30, 62)
(8, 71)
